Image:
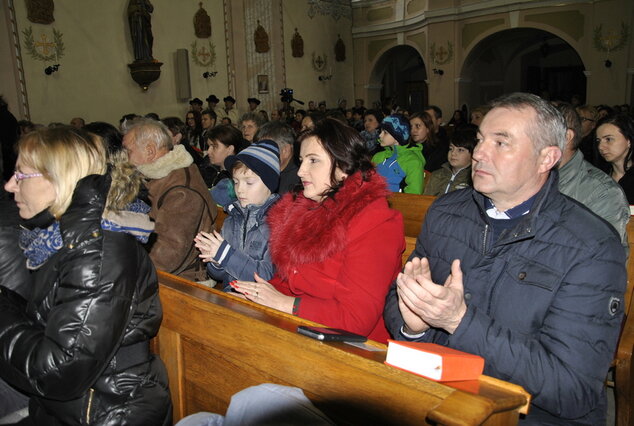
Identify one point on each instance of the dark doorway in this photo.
(401, 73)
(525, 60)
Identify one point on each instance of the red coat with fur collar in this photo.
(339, 256)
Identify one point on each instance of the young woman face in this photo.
(218, 152)
(191, 121)
(370, 123)
(458, 157)
(315, 169)
(32, 194)
(418, 130)
(613, 146)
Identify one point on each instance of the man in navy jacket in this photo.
(533, 281)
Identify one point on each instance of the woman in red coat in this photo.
(336, 244)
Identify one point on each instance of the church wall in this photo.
(463, 24)
(320, 34)
(94, 82)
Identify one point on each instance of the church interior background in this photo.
(414, 52)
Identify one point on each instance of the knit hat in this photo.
(397, 126)
(263, 158)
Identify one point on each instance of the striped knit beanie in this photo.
(263, 158)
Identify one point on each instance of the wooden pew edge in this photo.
(520, 402)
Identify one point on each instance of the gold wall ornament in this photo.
(205, 56)
(297, 45)
(40, 11)
(441, 55)
(202, 23)
(319, 62)
(611, 40)
(261, 39)
(43, 49)
(340, 50)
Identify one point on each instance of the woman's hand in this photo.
(208, 244)
(264, 293)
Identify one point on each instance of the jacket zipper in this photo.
(484, 239)
(244, 229)
(92, 392)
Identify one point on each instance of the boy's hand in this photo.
(208, 244)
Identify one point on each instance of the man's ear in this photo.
(150, 151)
(548, 158)
(570, 135)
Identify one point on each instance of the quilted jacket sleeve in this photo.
(89, 305)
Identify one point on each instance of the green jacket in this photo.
(402, 167)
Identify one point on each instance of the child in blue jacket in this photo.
(241, 249)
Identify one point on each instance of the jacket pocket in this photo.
(528, 272)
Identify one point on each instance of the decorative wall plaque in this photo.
(261, 39)
(40, 11)
(610, 40)
(297, 45)
(202, 23)
(319, 62)
(340, 50)
(43, 49)
(441, 55)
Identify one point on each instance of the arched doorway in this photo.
(401, 74)
(522, 59)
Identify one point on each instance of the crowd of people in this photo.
(533, 205)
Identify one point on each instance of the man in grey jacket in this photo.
(533, 281)
(585, 183)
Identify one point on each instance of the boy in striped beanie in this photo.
(241, 248)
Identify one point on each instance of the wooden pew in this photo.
(215, 345)
(414, 208)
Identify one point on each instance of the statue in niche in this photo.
(202, 23)
(261, 39)
(340, 50)
(297, 45)
(140, 20)
(40, 11)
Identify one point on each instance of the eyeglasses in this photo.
(21, 176)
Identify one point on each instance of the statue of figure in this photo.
(140, 19)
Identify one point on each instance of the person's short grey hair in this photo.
(277, 131)
(252, 116)
(573, 122)
(147, 131)
(548, 128)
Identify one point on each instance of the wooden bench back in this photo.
(215, 345)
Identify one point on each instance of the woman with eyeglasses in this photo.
(78, 344)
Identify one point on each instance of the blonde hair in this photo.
(63, 155)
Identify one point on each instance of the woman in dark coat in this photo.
(79, 343)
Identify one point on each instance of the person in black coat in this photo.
(78, 344)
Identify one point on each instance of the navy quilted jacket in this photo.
(544, 300)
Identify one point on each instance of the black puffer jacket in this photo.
(79, 345)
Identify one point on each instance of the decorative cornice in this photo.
(427, 17)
